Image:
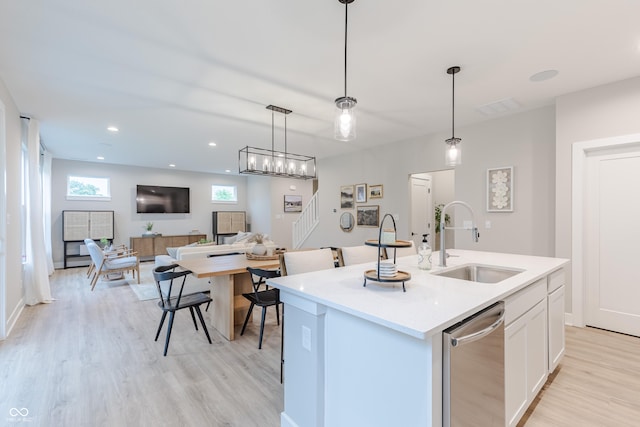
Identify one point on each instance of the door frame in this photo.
(430, 216)
(580, 152)
(3, 221)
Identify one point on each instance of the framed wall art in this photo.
(375, 191)
(292, 203)
(368, 216)
(346, 197)
(500, 189)
(361, 193)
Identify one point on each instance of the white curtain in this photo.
(46, 208)
(36, 272)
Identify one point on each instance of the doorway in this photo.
(604, 210)
(442, 191)
(611, 210)
(421, 207)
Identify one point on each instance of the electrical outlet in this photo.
(487, 224)
(306, 338)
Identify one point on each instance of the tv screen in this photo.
(156, 199)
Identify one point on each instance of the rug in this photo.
(144, 291)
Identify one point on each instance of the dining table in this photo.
(229, 279)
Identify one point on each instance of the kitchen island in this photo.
(372, 355)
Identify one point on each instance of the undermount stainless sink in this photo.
(479, 273)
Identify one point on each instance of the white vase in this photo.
(259, 249)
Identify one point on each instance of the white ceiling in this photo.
(174, 75)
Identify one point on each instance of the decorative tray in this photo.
(276, 255)
(396, 244)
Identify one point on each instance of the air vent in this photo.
(498, 107)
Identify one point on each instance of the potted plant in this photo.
(447, 221)
(148, 227)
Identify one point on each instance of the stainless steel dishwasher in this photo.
(473, 370)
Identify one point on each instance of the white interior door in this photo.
(421, 208)
(612, 212)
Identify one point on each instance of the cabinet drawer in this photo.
(556, 279)
(519, 303)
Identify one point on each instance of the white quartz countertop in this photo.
(431, 303)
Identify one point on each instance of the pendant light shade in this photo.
(345, 120)
(453, 155)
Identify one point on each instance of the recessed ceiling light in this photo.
(113, 129)
(171, 165)
(100, 157)
(543, 75)
(227, 170)
(212, 144)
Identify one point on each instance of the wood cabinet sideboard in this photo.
(149, 247)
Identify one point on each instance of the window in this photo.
(88, 188)
(224, 194)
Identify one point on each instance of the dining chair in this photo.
(296, 262)
(351, 255)
(400, 252)
(264, 299)
(169, 304)
(105, 265)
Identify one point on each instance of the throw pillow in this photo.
(229, 240)
(243, 237)
(173, 252)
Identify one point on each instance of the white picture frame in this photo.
(500, 185)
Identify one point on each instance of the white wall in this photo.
(13, 261)
(261, 197)
(604, 111)
(524, 141)
(281, 221)
(124, 179)
(269, 192)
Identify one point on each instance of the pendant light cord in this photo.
(346, 20)
(453, 105)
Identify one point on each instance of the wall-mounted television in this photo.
(157, 199)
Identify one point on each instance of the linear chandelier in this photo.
(282, 164)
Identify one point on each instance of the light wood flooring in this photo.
(89, 359)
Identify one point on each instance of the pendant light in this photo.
(345, 121)
(453, 155)
(283, 164)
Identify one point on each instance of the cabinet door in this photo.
(515, 365)
(177, 241)
(556, 327)
(537, 355)
(143, 246)
(160, 244)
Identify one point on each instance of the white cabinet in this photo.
(556, 327)
(525, 348)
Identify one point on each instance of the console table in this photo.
(148, 247)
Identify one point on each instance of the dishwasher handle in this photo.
(455, 342)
